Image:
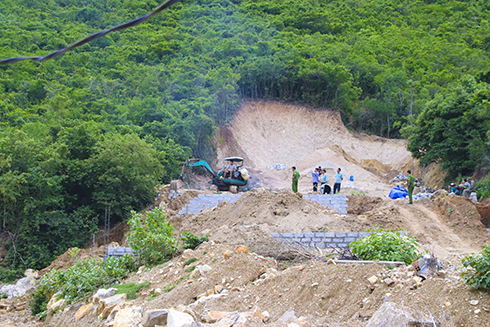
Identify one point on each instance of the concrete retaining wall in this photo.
(322, 240)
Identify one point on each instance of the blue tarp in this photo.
(398, 192)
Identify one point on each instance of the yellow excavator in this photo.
(238, 177)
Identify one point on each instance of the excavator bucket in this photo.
(175, 185)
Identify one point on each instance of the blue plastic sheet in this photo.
(398, 192)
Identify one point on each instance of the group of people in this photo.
(465, 188)
(318, 176)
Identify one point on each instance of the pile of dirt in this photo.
(215, 278)
(442, 224)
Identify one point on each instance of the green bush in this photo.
(483, 188)
(477, 274)
(80, 280)
(151, 239)
(385, 245)
(191, 241)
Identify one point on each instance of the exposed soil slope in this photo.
(268, 132)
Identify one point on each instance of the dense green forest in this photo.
(104, 123)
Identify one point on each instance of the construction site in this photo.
(275, 258)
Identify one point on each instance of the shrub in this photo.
(80, 280)
(478, 273)
(191, 241)
(151, 239)
(483, 188)
(385, 245)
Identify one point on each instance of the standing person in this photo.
(411, 186)
(471, 188)
(324, 179)
(295, 180)
(338, 180)
(314, 175)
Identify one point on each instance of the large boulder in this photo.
(111, 301)
(20, 288)
(83, 311)
(390, 315)
(128, 317)
(178, 319)
(154, 317)
(102, 294)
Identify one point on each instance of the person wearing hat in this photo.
(411, 186)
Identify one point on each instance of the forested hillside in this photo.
(104, 123)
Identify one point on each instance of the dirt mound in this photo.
(321, 294)
(360, 204)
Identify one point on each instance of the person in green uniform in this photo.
(295, 180)
(411, 185)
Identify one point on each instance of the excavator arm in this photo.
(195, 163)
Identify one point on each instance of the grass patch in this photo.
(131, 289)
(191, 260)
(190, 269)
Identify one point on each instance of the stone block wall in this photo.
(322, 240)
(338, 202)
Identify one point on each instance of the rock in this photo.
(389, 281)
(255, 313)
(266, 316)
(83, 311)
(186, 255)
(331, 262)
(417, 279)
(197, 324)
(203, 269)
(227, 254)
(447, 304)
(301, 321)
(373, 280)
(389, 314)
(288, 316)
(154, 317)
(241, 249)
(31, 273)
(57, 305)
(52, 300)
(477, 311)
(110, 301)
(218, 289)
(20, 288)
(107, 311)
(128, 317)
(474, 302)
(234, 319)
(102, 294)
(178, 319)
(293, 324)
(188, 310)
(213, 316)
(140, 270)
